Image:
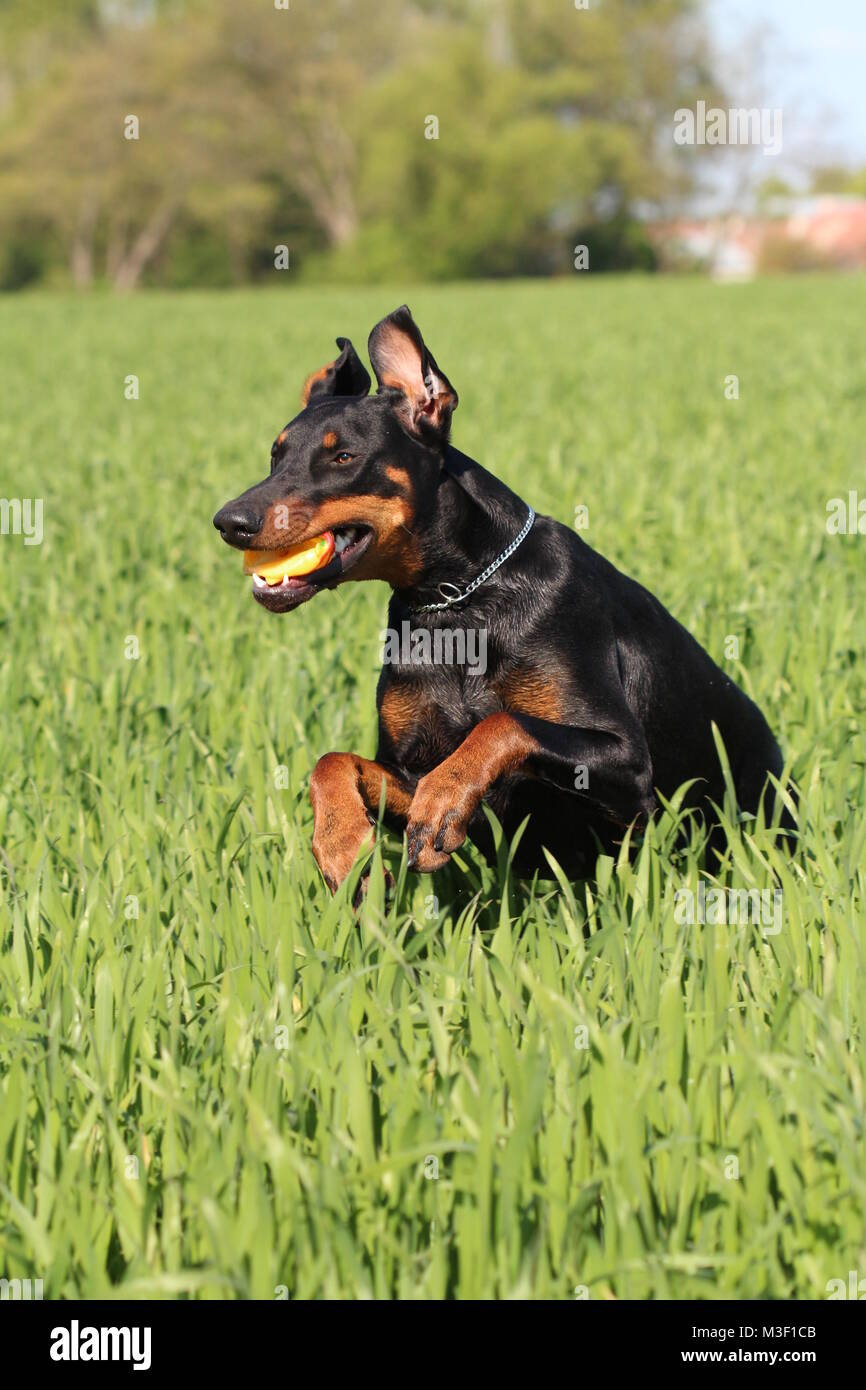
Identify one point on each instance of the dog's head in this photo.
(350, 475)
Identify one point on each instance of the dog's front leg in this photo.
(614, 763)
(345, 790)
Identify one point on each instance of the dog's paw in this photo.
(338, 845)
(363, 887)
(438, 820)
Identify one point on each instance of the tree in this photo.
(145, 124)
(837, 178)
(545, 121)
(323, 119)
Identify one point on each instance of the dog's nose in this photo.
(238, 524)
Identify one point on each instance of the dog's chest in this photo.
(426, 717)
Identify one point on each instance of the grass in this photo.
(213, 1082)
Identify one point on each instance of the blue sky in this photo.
(813, 66)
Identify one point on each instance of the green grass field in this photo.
(213, 1082)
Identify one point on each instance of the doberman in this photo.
(594, 698)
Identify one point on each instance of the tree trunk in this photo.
(144, 248)
(114, 253)
(323, 160)
(81, 253)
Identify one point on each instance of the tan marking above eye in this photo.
(281, 438)
(330, 440)
(397, 475)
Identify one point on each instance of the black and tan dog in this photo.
(593, 699)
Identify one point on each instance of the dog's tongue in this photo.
(276, 565)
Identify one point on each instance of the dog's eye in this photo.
(343, 457)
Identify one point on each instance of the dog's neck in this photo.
(475, 516)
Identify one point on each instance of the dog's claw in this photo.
(364, 886)
(422, 855)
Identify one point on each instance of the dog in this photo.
(593, 700)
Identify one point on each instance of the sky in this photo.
(811, 63)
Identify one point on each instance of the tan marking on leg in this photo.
(341, 826)
(448, 797)
(345, 790)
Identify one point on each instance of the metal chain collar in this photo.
(485, 574)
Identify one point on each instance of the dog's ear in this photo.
(347, 376)
(406, 370)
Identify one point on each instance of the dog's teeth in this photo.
(259, 582)
(285, 583)
(342, 539)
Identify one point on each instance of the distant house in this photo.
(834, 226)
(802, 233)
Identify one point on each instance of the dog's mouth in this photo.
(283, 579)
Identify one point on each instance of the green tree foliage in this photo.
(377, 138)
(839, 179)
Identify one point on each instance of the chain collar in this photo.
(457, 596)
